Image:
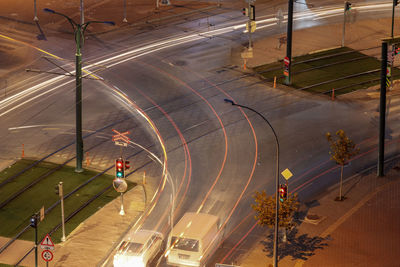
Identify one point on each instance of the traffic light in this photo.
(347, 6)
(127, 165)
(33, 221)
(252, 12)
(245, 11)
(119, 168)
(283, 192)
(395, 2)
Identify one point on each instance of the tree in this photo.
(265, 209)
(342, 150)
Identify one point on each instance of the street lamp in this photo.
(276, 178)
(79, 30)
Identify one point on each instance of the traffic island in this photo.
(330, 72)
(27, 186)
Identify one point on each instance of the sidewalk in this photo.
(92, 240)
(362, 230)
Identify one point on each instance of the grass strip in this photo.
(15, 216)
(340, 68)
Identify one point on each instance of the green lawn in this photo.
(15, 216)
(304, 75)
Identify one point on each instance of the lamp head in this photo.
(109, 22)
(229, 101)
(49, 10)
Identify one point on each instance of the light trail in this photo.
(314, 13)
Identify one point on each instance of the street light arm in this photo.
(84, 26)
(255, 111)
(73, 23)
(275, 253)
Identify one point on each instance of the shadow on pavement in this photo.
(40, 36)
(300, 247)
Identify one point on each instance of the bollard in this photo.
(274, 81)
(23, 151)
(87, 159)
(333, 94)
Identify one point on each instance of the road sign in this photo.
(42, 213)
(47, 255)
(121, 139)
(47, 244)
(247, 54)
(286, 61)
(287, 174)
(120, 185)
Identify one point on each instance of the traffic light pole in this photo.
(288, 78)
(382, 109)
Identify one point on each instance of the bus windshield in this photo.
(185, 244)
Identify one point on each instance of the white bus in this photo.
(191, 238)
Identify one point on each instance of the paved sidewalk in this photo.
(362, 230)
(92, 240)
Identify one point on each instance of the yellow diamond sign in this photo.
(287, 174)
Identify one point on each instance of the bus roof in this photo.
(194, 225)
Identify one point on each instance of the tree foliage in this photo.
(265, 209)
(342, 148)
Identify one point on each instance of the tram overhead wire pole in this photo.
(79, 30)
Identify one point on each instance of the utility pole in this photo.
(395, 3)
(382, 110)
(82, 13)
(79, 30)
(35, 18)
(125, 20)
(288, 78)
(61, 194)
(347, 6)
(249, 26)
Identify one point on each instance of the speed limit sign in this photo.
(47, 255)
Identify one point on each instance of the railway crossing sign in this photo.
(47, 255)
(47, 244)
(121, 139)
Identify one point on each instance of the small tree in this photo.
(265, 209)
(342, 150)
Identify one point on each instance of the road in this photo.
(217, 155)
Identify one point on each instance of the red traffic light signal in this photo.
(283, 192)
(245, 11)
(119, 168)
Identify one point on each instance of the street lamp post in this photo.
(275, 255)
(79, 30)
